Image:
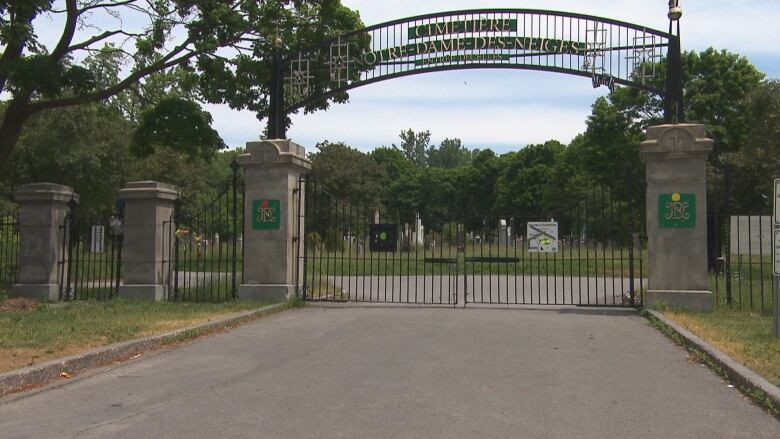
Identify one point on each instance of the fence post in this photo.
(148, 204)
(271, 172)
(675, 159)
(43, 239)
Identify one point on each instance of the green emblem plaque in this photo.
(677, 211)
(266, 214)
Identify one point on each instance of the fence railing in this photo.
(204, 250)
(90, 266)
(741, 275)
(9, 248)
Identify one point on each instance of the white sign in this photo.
(777, 202)
(542, 237)
(777, 252)
(96, 246)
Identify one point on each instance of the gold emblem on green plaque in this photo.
(266, 214)
(677, 211)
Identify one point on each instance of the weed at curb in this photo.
(296, 302)
(753, 393)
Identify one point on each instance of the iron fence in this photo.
(353, 252)
(205, 249)
(91, 258)
(9, 248)
(741, 269)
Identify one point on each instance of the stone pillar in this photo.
(675, 158)
(271, 172)
(148, 204)
(42, 239)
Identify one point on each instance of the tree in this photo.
(92, 154)
(399, 183)
(222, 47)
(436, 197)
(476, 184)
(415, 146)
(349, 175)
(609, 151)
(569, 182)
(450, 154)
(757, 163)
(716, 85)
(520, 189)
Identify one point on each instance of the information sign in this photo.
(383, 238)
(542, 237)
(777, 202)
(776, 252)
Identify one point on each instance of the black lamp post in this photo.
(674, 110)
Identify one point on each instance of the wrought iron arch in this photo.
(610, 52)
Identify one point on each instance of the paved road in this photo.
(394, 372)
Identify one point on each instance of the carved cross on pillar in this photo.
(676, 138)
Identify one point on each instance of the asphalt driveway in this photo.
(350, 371)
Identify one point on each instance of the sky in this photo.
(502, 109)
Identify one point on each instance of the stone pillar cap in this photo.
(45, 192)
(148, 189)
(676, 141)
(274, 153)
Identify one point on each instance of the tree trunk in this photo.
(15, 116)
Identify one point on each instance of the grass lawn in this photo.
(57, 330)
(745, 336)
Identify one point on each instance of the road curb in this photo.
(735, 370)
(39, 374)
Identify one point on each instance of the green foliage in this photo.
(610, 148)
(347, 173)
(435, 197)
(450, 154)
(90, 154)
(219, 51)
(476, 188)
(717, 85)
(757, 163)
(415, 146)
(525, 175)
(333, 242)
(399, 182)
(178, 124)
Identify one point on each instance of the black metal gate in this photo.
(351, 252)
(204, 245)
(9, 247)
(91, 260)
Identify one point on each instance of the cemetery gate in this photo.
(588, 252)
(91, 260)
(203, 244)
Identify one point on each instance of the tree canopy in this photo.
(220, 50)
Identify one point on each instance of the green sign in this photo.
(266, 214)
(462, 27)
(677, 211)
